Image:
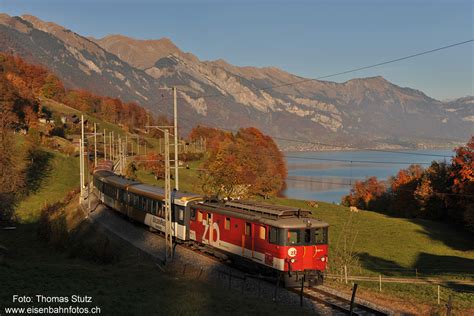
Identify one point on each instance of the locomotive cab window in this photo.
(294, 236)
(193, 213)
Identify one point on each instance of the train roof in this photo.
(274, 215)
(102, 174)
(119, 181)
(271, 210)
(158, 193)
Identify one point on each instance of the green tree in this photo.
(53, 88)
(131, 170)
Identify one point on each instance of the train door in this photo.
(180, 227)
(247, 240)
(260, 242)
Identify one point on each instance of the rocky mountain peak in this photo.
(139, 53)
(44, 26)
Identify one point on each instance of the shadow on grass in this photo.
(381, 265)
(436, 264)
(455, 237)
(38, 169)
(426, 265)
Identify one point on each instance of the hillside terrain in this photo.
(433, 249)
(55, 251)
(365, 112)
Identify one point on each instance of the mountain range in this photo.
(369, 112)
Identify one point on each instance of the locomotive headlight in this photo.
(323, 259)
(292, 260)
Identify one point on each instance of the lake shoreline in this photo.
(329, 175)
(398, 149)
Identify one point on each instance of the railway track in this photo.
(339, 304)
(332, 303)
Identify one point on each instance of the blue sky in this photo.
(307, 38)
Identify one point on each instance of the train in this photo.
(271, 239)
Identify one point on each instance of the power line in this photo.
(338, 146)
(342, 160)
(343, 146)
(348, 71)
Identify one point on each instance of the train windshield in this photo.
(321, 236)
(308, 236)
(294, 237)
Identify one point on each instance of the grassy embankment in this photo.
(384, 245)
(392, 247)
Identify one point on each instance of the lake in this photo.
(327, 176)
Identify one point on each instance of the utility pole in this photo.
(81, 159)
(110, 147)
(80, 171)
(95, 144)
(168, 201)
(105, 146)
(125, 154)
(119, 154)
(113, 156)
(168, 226)
(175, 109)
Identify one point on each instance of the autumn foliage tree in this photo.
(364, 193)
(443, 191)
(154, 163)
(462, 173)
(52, 88)
(32, 82)
(247, 163)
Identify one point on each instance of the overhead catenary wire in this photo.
(390, 61)
(341, 160)
(346, 146)
(346, 72)
(342, 146)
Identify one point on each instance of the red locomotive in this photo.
(279, 239)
